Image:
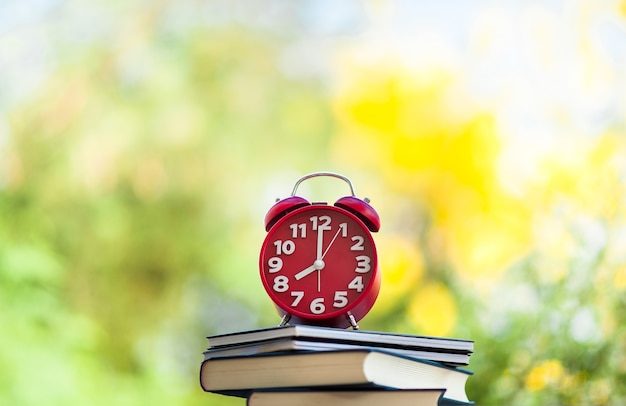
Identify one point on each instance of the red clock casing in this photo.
(319, 265)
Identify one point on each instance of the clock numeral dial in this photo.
(317, 262)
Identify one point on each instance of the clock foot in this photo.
(285, 320)
(352, 321)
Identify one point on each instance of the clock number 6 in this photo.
(317, 306)
(362, 264)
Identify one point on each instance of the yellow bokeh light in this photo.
(484, 243)
(620, 278)
(446, 160)
(433, 310)
(401, 266)
(547, 373)
(622, 8)
(587, 174)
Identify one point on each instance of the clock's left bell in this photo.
(282, 207)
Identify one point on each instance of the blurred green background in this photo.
(141, 144)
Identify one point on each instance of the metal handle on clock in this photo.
(315, 174)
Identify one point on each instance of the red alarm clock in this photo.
(318, 262)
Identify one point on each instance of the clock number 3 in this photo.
(362, 264)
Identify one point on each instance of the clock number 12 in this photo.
(320, 222)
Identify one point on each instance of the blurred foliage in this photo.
(125, 214)
(135, 177)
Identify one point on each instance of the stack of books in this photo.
(308, 365)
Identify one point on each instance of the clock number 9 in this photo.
(362, 264)
(275, 264)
